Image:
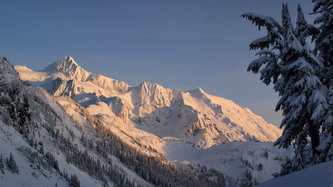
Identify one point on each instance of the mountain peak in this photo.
(69, 60)
(69, 68)
(197, 92)
(66, 63)
(200, 90)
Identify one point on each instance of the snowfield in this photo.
(317, 175)
(261, 159)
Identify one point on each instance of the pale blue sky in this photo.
(182, 44)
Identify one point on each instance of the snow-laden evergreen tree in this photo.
(287, 61)
(11, 164)
(324, 46)
(302, 100)
(74, 181)
(2, 166)
(324, 8)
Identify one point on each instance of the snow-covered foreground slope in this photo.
(28, 175)
(191, 129)
(192, 116)
(317, 175)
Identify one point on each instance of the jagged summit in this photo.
(65, 63)
(148, 87)
(69, 68)
(69, 59)
(62, 74)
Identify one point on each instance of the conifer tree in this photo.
(11, 164)
(323, 44)
(74, 181)
(2, 165)
(287, 61)
(324, 8)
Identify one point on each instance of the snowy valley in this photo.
(66, 126)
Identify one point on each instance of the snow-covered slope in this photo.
(28, 174)
(317, 175)
(47, 144)
(192, 116)
(53, 141)
(192, 129)
(243, 163)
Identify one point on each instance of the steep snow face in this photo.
(246, 120)
(150, 97)
(193, 116)
(205, 120)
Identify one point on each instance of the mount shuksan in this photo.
(193, 116)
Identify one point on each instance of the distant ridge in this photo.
(192, 116)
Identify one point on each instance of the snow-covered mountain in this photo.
(53, 141)
(194, 116)
(101, 131)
